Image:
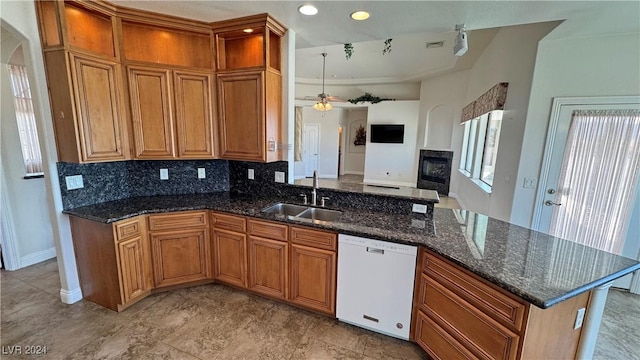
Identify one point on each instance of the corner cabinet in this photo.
(180, 247)
(249, 88)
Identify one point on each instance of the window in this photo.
(490, 150)
(480, 148)
(26, 120)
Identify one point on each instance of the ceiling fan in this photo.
(323, 100)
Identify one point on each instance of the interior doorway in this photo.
(310, 148)
(588, 191)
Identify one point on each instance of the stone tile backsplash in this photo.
(111, 181)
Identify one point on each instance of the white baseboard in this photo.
(37, 257)
(460, 202)
(71, 296)
(388, 183)
(352, 172)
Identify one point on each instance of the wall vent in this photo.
(435, 44)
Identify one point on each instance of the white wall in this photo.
(589, 66)
(26, 197)
(20, 18)
(441, 101)
(354, 155)
(393, 164)
(328, 143)
(510, 57)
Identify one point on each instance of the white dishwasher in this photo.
(375, 284)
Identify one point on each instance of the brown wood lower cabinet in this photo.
(180, 247)
(180, 256)
(459, 315)
(268, 265)
(313, 278)
(113, 261)
(230, 259)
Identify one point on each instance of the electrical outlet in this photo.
(419, 208)
(530, 183)
(579, 318)
(202, 173)
(164, 174)
(250, 174)
(279, 177)
(419, 224)
(74, 182)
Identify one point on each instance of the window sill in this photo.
(482, 185)
(33, 176)
(465, 173)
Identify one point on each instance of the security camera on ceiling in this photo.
(461, 46)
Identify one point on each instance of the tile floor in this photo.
(217, 322)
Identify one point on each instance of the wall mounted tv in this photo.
(389, 134)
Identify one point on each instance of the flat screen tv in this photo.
(389, 134)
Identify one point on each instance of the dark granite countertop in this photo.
(539, 268)
(401, 192)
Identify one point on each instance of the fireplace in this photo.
(434, 170)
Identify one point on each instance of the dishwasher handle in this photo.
(375, 250)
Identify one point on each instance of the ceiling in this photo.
(410, 24)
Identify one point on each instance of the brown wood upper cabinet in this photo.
(84, 79)
(171, 113)
(249, 88)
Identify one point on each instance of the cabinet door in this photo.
(229, 251)
(268, 267)
(99, 109)
(193, 115)
(133, 280)
(151, 112)
(180, 256)
(241, 116)
(313, 278)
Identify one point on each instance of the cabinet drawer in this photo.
(268, 230)
(483, 336)
(229, 222)
(503, 308)
(314, 238)
(437, 342)
(126, 229)
(177, 220)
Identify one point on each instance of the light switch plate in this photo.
(74, 182)
(579, 318)
(164, 174)
(419, 208)
(250, 174)
(201, 173)
(279, 177)
(530, 183)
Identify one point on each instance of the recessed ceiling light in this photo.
(248, 31)
(307, 10)
(360, 15)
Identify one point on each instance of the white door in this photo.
(310, 142)
(563, 209)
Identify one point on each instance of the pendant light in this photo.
(323, 104)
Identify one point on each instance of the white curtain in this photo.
(26, 120)
(598, 178)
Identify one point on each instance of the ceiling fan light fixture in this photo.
(322, 106)
(360, 15)
(308, 10)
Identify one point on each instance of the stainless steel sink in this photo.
(320, 214)
(285, 209)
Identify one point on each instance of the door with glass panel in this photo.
(588, 190)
